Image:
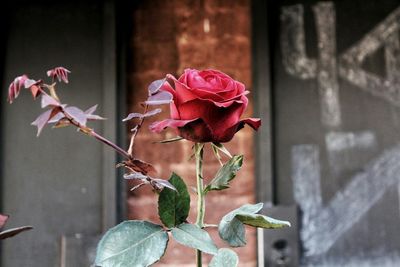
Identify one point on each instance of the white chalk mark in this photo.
(325, 20)
(323, 226)
(384, 34)
(293, 44)
(297, 63)
(342, 141)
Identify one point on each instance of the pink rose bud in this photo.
(15, 87)
(60, 73)
(206, 107)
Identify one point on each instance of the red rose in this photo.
(206, 106)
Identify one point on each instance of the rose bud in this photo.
(206, 107)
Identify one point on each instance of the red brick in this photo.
(167, 37)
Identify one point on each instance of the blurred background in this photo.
(324, 77)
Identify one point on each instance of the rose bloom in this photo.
(206, 106)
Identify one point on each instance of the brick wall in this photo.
(167, 37)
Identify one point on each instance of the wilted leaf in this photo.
(174, 206)
(140, 115)
(140, 166)
(160, 98)
(164, 183)
(14, 231)
(135, 175)
(192, 236)
(225, 174)
(3, 220)
(225, 258)
(132, 243)
(155, 86)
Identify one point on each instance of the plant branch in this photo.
(86, 129)
(136, 130)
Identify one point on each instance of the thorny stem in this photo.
(87, 130)
(198, 151)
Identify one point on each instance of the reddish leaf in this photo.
(15, 87)
(14, 231)
(160, 98)
(59, 73)
(155, 86)
(138, 165)
(3, 220)
(140, 115)
(49, 101)
(43, 118)
(33, 86)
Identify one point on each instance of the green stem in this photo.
(198, 151)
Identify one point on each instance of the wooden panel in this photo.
(61, 181)
(335, 72)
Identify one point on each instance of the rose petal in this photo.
(254, 123)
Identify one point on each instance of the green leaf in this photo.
(173, 206)
(192, 236)
(225, 258)
(262, 221)
(132, 243)
(231, 229)
(225, 174)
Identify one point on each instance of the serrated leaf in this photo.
(225, 258)
(132, 243)
(174, 206)
(192, 236)
(262, 221)
(14, 231)
(232, 230)
(225, 174)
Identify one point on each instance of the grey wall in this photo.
(62, 183)
(335, 72)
